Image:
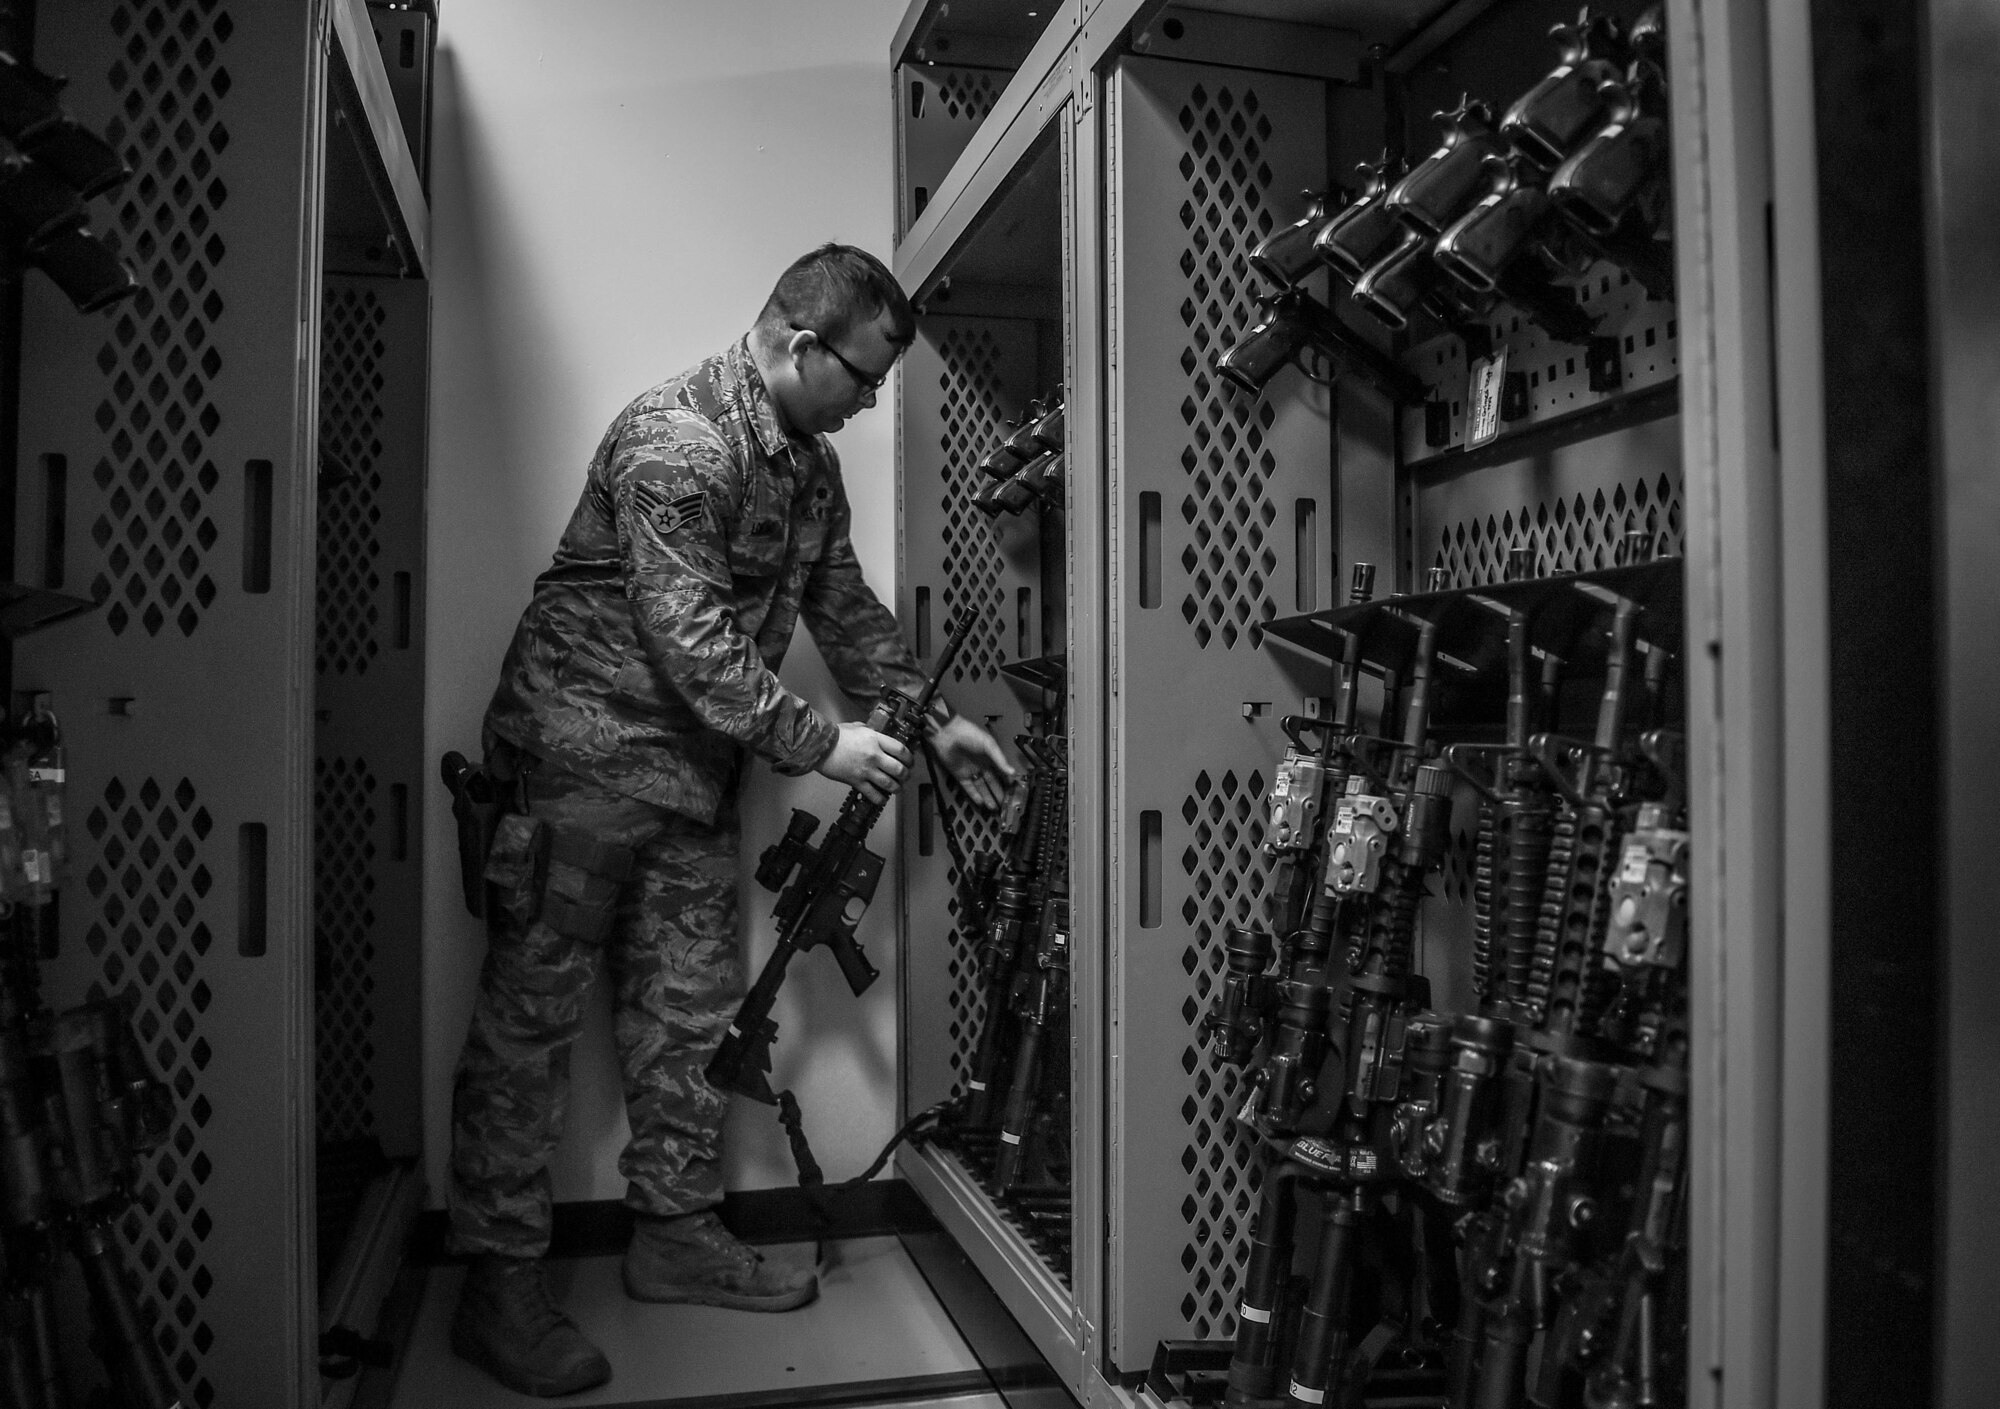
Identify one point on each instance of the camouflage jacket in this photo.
(648, 657)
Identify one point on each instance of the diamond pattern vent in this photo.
(1573, 533)
(155, 532)
(977, 832)
(344, 952)
(973, 419)
(350, 410)
(1230, 564)
(969, 94)
(146, 930)
(1228, 875)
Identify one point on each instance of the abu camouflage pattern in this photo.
(648, 656)
(678, 979)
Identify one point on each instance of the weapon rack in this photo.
(231, 465)
(1204, 534)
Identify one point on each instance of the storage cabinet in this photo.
(230, 463)
(1208, 535)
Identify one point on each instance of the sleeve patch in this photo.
(676, 514)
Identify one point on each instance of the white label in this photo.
(1482, 399)
(970, 1085)
(733, 1032)
(1633, 872)
(1362, 1161)
(1009, 1138)
(1307, 1396)
(31, 867)
(1254, 1313)
(45, 775)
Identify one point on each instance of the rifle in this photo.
(1558, 1088)
(1023, 820)
(830, 887)
(1045, 995)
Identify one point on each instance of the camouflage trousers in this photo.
(677, 973)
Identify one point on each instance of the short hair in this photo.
(831, 290)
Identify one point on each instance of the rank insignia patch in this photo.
(679, 513)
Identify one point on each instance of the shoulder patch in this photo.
(674, 514)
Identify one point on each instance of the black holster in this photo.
(478, 801)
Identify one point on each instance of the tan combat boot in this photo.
(508, 1326)
(694, 1258)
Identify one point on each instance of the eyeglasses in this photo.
(869, 385)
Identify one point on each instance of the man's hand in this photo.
(973, 757)
(864, 759)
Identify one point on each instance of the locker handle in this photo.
(252, 890)
(1305, 559)
(257, 526)
(55, 518)
(1149, 549)
(1149, 870)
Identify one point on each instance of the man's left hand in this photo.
(975, 761)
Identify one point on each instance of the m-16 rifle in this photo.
(1024, 820)
(1044, 972)
(830, 887)
(1387, 833)
(1309, 775)
(1559, 1087)
(1628, 1308)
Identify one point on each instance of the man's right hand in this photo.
(864, 759)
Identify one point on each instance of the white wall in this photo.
(615, 186)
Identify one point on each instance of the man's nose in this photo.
(868, 396)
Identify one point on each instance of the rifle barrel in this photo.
(959, 632)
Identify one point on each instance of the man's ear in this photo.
(801, 339)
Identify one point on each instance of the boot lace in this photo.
(522, 1295)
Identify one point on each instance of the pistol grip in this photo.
(854, 965)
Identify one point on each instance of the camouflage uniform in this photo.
(643, 668)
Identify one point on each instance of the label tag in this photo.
(45, 775)
(1482, 399)
(1637, 855)
(1254, 1313)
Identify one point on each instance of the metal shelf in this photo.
(25, 610)
(1562, 611)
(1015, 1271)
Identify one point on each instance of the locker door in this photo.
(1209, 495)
(180, 423)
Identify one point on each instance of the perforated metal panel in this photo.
(368, 764)
(1208, 490)
(167, 83)
(350, 444)
(182, 419)
(938, 108)
(1227, 878)
(344, 862)
(961, 381)
(148, 877)
(1572, 507)
(1558, 380)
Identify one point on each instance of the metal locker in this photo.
(183, 420)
